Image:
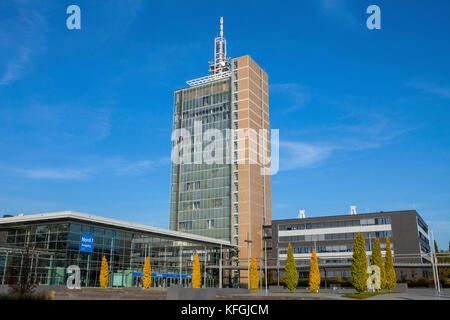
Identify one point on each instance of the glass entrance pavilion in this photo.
(44, 245)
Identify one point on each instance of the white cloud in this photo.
(56, 174)
(294, 95)
(339, 10)
(25, 39)
(109, 166)
(443, 91)
(123, 167)
(59, 123)
(363, 132)
(15, 68)
(295, 155)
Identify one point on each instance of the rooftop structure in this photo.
(220, 67)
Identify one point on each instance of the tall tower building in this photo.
(229, 200)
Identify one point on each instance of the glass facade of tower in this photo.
(200, 192)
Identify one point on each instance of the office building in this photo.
(333, 238)
(229, 200)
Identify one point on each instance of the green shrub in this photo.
(391, 278)
(358, 273)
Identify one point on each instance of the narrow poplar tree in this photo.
(377, 260)
(290, 270)
(358, 274)
(147, 277)
(196, 275)
(254, 278)
(314, 273)
(104, 273)
(391, 278)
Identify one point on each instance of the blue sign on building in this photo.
(87, 242)
(164, 275)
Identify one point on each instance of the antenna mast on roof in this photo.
(221, 63)
(220, 67)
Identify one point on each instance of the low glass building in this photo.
(44, 245)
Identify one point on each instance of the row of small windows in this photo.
(334, 224)
(206, 100)
(195, 205)
(209, 118)
(220, 137)
(205, 174)
(424, 243)
(424, 248)
(217, 233)
(206, 194)
(334, 236)
(422, 224)
(206, 111)
(205, 90)
(421, 236)
(204, 214)
(300, 262)
(62, 236)
(216, 117)
(330, 249)
(207, 123)
(193, 185)
(206, 184)
(203, 224)
(201, 167)
(235, 155)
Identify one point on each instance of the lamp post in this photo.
(248, 241)
(220, 267)
(204, 276)
(278, 267)
(438, 285)
(265, 263)
(181, 265)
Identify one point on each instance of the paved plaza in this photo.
(326, 294)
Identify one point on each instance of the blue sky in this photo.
(85, 115)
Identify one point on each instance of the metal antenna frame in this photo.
(220, 67)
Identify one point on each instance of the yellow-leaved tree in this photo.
(390, 277)
(314, 273)
(104, 273)
(377, 260)
(147, 277)
(196, 275)
(290, 270)
(254, 278)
